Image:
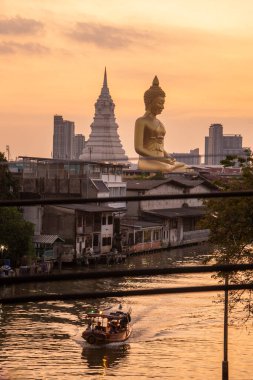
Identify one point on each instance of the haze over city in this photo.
(53, 58)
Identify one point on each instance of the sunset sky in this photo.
(53, 54)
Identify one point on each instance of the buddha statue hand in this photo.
(169, 159)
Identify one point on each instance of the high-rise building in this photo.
(104, 142)
(79, 144)
(214, 145)
(218, 146)
(63, 140)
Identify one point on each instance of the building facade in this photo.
(79, 144)
(214, 145)
(218, 145)
(63, 139)
(178, 217)
(192, 158)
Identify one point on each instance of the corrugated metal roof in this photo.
(152, 183)
(146, 184)
(140, 223)
(89, 207)
(177, 212)
(47, 239)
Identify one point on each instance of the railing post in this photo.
(225, 343)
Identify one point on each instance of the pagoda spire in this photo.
(105, 89)
(105, 79)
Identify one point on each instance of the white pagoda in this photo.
(104, 143)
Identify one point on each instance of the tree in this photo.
(234, 160)
(8, 185)
(230, 221)
(15, 233)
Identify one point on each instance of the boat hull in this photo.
(97, 338)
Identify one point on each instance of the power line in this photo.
(125, 273)
(121, 293)
(64, 201)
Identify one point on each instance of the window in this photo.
(156, 235)
(122, 191)
(131, 238)
(89, 220)
(147, 236)
(95, 169)
(104, 220)
(79, 221)
(95, 240)
(173, 223)
(110, 219)
(189, 224)
(106, 241)
(138, 237)
(97, 222)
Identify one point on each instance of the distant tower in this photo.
(63, 140)
(214, 145)
(104, 142)
(218, 145)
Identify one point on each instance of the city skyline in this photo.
(52, 60)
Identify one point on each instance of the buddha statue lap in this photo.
(150, 132)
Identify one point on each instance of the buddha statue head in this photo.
(154, 98)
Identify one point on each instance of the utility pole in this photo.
(225, 343)
(8, 152)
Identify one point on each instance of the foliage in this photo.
(230, 221)
(233, 160)
(158, 175)
(15, 233)
(8, 185)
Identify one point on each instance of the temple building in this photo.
(104, 143)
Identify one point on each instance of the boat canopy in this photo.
(112, 315)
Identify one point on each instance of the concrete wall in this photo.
(57, 221)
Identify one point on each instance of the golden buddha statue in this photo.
(149, 135)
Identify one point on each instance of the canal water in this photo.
(175, 337)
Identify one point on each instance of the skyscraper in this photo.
(104, 142)
(63, 140)
(214, 145)
(218, 146)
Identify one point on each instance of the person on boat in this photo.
(123, 322)
(113, 328)
(99, 327)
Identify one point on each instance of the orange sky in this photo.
(53, 53)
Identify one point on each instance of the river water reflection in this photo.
(174, 336)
